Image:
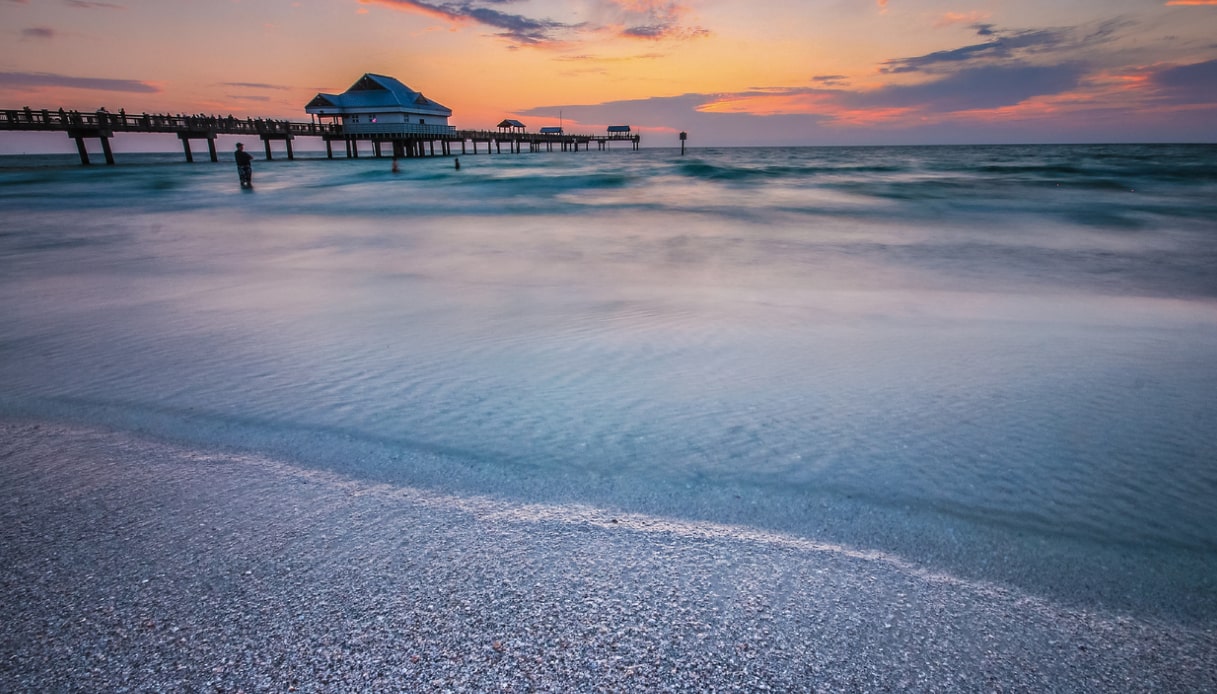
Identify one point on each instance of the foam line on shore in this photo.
(139, 565)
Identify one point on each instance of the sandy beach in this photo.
(135, 565)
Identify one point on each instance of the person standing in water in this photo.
(245, 167)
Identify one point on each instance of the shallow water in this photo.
(992, 361)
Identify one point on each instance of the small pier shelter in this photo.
(511, 125)
(619, 133)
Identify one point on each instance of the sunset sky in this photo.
(730, 72)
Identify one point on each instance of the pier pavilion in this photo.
(378, 105)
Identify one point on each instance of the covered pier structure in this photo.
(413, 140)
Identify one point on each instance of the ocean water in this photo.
(998, 363)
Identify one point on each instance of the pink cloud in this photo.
(638, 19)
(654, 19)
(967, 18)
(94, 5)
(42, 80)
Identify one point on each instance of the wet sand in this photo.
(135, 565)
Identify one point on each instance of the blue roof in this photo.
(377, 93)
(619, 128)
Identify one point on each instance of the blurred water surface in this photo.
(994, 361)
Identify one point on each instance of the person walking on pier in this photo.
(245, 168)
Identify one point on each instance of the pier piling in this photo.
(84, 153)
(79, 134)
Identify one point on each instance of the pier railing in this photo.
(61, 120)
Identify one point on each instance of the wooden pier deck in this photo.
(416, 141)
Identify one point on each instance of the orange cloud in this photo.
(767, 104)
(1108, 95)
(632, 19)
(872, 116)
(640, 6)
(1191, 2)
(416, 8)
(1104, 93)
(825, 104)
(654, 20)
(951, 18)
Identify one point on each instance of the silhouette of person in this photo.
(458, 163)
(245, 169)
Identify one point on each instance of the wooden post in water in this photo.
(266, 141)
(683, 136)
(105, 149)
(80, 147)
(211, 149)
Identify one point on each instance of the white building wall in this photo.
(392, 122)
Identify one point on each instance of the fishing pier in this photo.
(402, 139)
